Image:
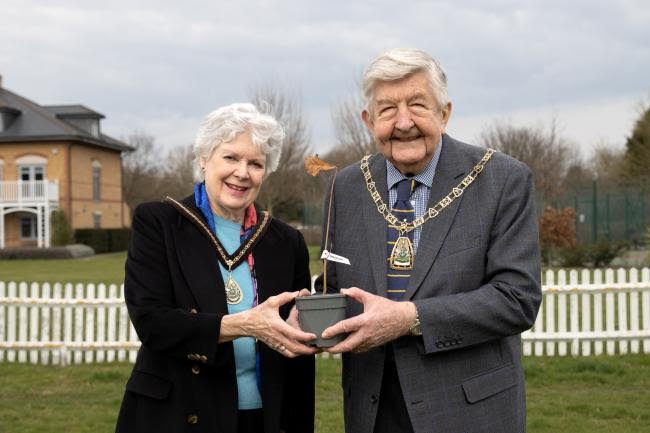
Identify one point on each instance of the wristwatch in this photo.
(414, 329)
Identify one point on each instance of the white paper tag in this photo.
(334, 257)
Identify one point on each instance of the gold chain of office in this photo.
(432, 212)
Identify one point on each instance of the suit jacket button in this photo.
(196, 369)
(439, 345)
(192, 419)
(374, 399)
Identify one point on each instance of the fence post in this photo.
(90, 324)
(67, 327)
(598, 311)
(622, 310)
(561, 310)
(101, 322)
(610, 312)
(22, 321)
(586, 312)
(634, 309)
(112, 322)
(3, 336)
(45, 323)
(11, 322)
(34, 311)
(645, 300)
(123, 322)
(574, 328)
(56, 323)
(77, 357)
(550, 313)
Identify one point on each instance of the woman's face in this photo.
(233, 176)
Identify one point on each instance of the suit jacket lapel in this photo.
(376, 226)
(449, 173)
(198, 260)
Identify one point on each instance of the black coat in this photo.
(183, 380)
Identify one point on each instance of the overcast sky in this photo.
(160, 66)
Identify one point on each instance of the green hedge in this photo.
(104, 240)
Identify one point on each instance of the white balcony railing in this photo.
(29, 192)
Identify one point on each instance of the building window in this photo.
(28, 173)
(28, 227)
(97, 174)
(97, 220)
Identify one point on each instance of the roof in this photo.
(34, 122)
(73, 111)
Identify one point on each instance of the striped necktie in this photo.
(400, 255)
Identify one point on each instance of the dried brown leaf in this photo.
(314, 165)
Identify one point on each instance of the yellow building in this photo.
(55, 157)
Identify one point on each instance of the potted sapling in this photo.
(318, 312)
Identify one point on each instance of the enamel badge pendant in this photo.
(234, 293)
(401, 257)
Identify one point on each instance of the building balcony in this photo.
(29, 193)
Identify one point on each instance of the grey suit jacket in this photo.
(476, 285)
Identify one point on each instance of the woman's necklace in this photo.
(403, 249)
(234, 293)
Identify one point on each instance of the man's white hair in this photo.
(399, 63)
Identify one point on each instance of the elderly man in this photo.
(444, 275)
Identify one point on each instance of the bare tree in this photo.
(353, 139)
(284, 186)
(141, 170)
(548, 155)
(178, 175)
(608, 164)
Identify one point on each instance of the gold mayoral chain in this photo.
(402, 255)
(234, 293)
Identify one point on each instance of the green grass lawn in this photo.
(102, 268)
(595, 394)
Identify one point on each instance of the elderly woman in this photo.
(209, 286)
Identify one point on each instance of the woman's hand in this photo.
(265, 324)
(293, 314)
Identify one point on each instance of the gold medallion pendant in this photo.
(234, 293)
(402, 256)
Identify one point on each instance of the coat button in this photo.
(192, 419)
(189, 356)
(196, 369)
(203, 358)
(193, 311)
(374, 398)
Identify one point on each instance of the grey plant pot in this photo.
(318, 312)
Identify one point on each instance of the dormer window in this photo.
(78, 116)
(7, 117)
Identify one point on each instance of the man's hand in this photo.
(382, 321)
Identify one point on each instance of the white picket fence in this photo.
(584, 312)
(592, 312)
(65, 323)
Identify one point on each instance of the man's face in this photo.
(406, 121)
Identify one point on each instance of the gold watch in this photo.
(414, 329)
